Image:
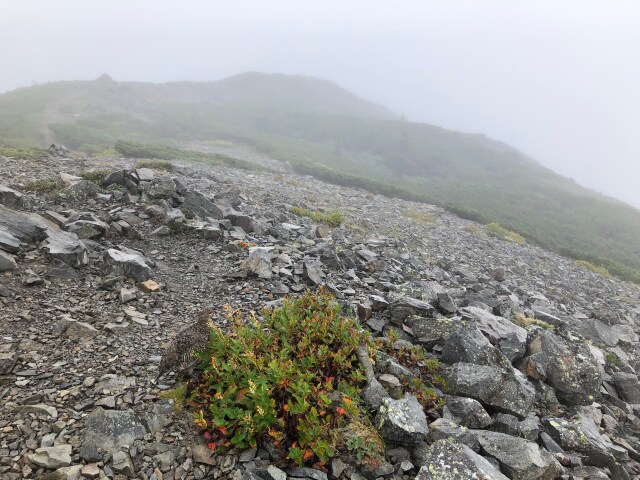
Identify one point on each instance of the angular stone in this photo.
(259, 262)
(407, 306)
(128, 263)
(444, 429)
(628, 386)
(448, 460)
(519, 458)
(66, 247)
(504, 390)
(121, 463)
(110, 430)
(510, 338)
(466, 412)
(195, 203)
(8, 242)
(470, 346)
(402, 421)
(7, 262)
(312, 273)
(74, 329)
(88, 228)
(565, 363)
(12, 198)
(52, 457)
(39, 409)
(149, 286)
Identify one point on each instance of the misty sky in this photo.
(560, 80)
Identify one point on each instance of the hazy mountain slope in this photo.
(324, 130)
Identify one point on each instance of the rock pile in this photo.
(539, 355)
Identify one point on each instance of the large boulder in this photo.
(12, 198)
(511, 339)
(566, 363)
(449, 460)
(402, 421)
(466, 412)
(258, 262)
(505, 390)
(7, 262)
(470, 346)
(519, 458)
(581, 435)
(8, 242)
(195, 203)
(628, 386)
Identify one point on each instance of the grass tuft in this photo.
(498, 231)
(594, 268)
(334, 218)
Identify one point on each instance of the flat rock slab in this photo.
(402, 421)
(127, 262)
(52, 457)
(109, 430)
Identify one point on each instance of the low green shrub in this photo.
(334, 218)
(594, 268)
(419, 217)
(43, 185)
(291, 379)
(95, 176)
(156, 165)
(496, 230)
(25, 153)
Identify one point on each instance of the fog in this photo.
(558, 80)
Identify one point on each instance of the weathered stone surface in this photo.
(7, 262)
(581, 435)
(66, 247)
(52, 457)
(259, 262)
(466, 412)
(448, 460)
(8, 242)
(109, 430)
(502, 389)
(195, 203)
(402, 421)
(446, 429)
(628, 386)
(564, 362)
(508, 337)
(128, 263)
(519, 458)
(39, 409)
(12, 198)
(470, 346)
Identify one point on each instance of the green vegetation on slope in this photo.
(321, 130)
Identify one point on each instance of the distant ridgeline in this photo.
(322, 130)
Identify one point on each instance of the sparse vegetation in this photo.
(95, 176)
(526, 322)
(26, 153)
(473, 229)
(612, 359)
(419, 217)
(177, 395)
(42, 185)
(156, 165)
(335, 218)
(594, 268)
(498, 231)
(291, 380)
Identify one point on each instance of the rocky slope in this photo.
(96, 281)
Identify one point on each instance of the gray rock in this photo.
(161, 188)
(407, 306)
(52, 457)
(195, 203)
(402, 421)
(443, 429)
(74, 329)
(88, 228)
(504, 390)
(628, 386)
(12, 198)
(519, 458)
(448, 460)
(312, 273)
(127, 262)
(8, 242)
(508, 337)
(39, 409)
(466, 412)
(7, 262)
(66, 247)
(109, 430)
(581, 435)
(121, 463)
(259, 262)
(470, 346)
(302, 472)
(565, 363)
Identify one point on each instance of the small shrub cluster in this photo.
(496, 230)
(43, 185)
(472, 229)
(291, 380)
(594, 268)
(334, 218)
(156, 165)
(95, 176)
(525, 322)
(612, 359)
(25, 153)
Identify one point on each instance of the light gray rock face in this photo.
(66, 246)
(127, 262)
(110, 430)
(470, 346)
(93, 228)
(259, 262)
(402, 421)
(446, 429)
(565, 363)
(161, 188)
(504, 390)
(510, 339)
(519, 458)
(449, 460)
(628, 387)
(581, 435)
(52, 457)
(8, 242)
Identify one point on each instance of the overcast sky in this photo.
(558, 79)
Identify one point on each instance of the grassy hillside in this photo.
(323, 130)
